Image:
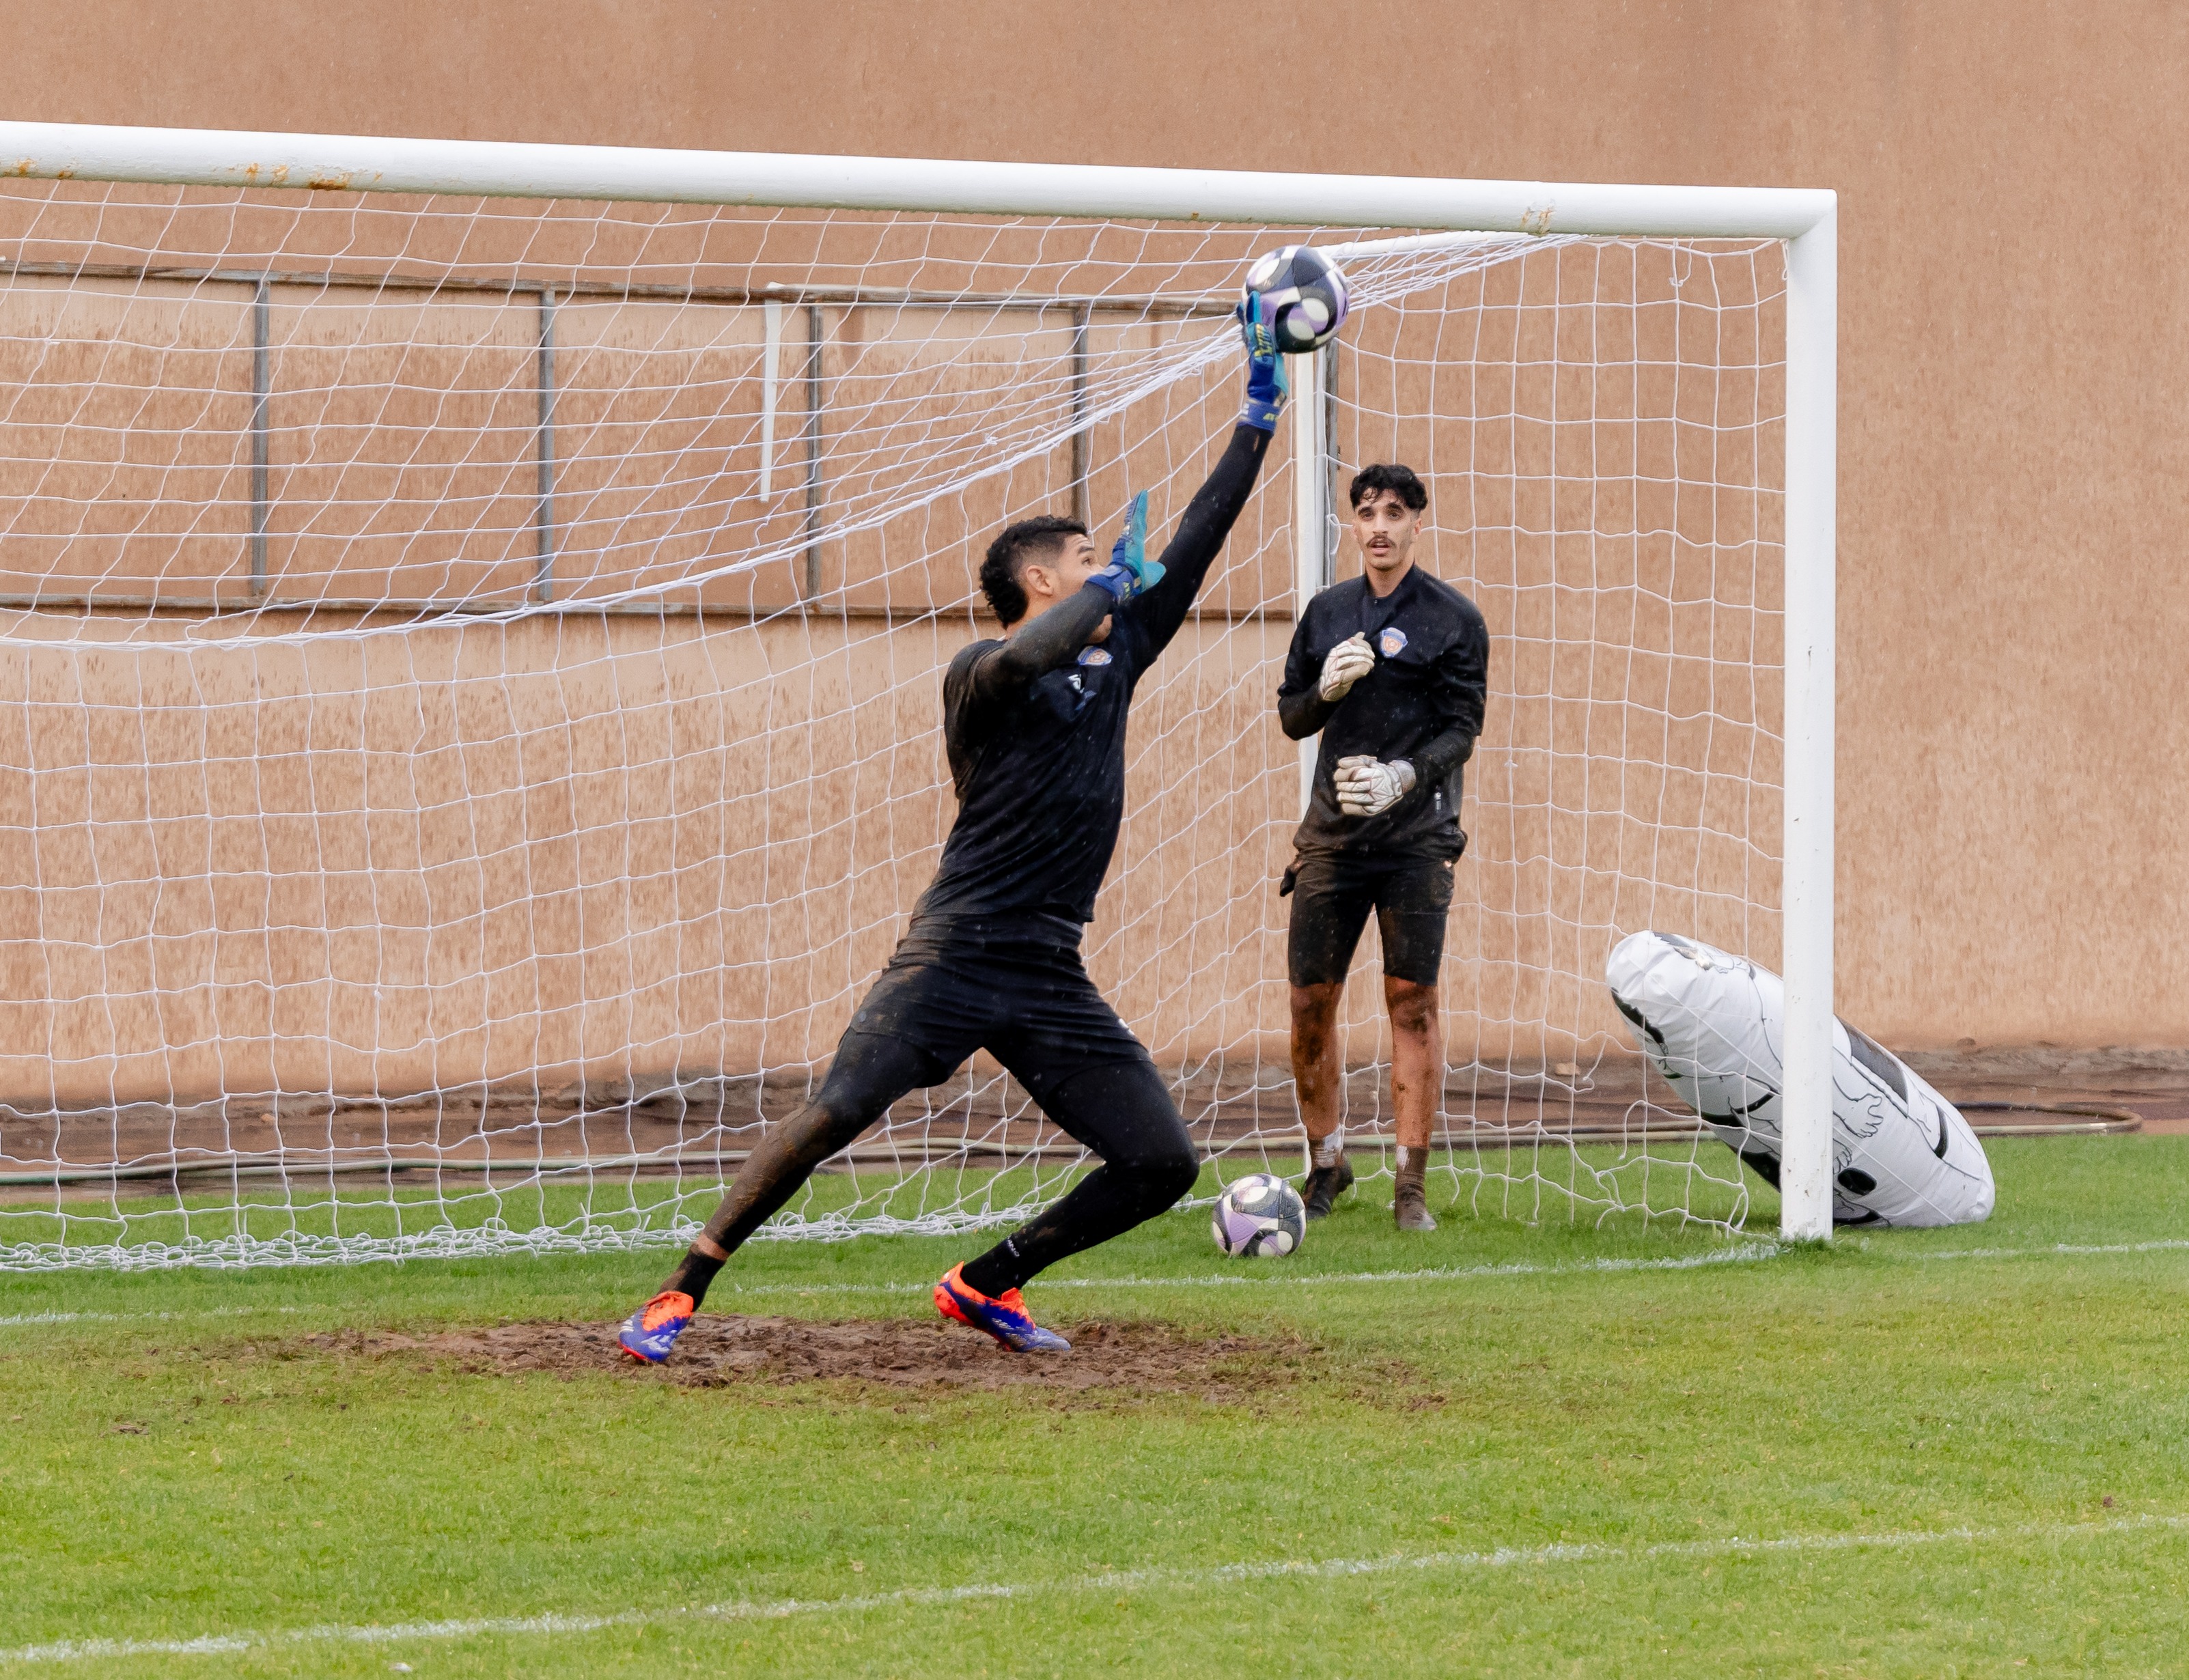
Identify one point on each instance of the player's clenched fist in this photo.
(1367, 787)
(1346, 664)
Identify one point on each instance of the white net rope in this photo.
(470, 698)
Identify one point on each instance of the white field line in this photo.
(2157, 1246)
(120, 1318)
(552, 1623)
(1747, 1253)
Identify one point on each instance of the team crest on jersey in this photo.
(1093, 656)
(1392, 641)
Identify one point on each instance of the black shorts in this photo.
(1333, 894)
(1013, 987)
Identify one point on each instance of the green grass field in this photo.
(1511, 1451)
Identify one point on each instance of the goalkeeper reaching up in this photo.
(1035, 726)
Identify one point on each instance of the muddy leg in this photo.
(1316, 1076)
(869, 1073)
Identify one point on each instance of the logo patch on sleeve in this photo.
(1392, 641)
(1093, 656)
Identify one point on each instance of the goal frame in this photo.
(1806, 220)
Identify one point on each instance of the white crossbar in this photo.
(510, 169)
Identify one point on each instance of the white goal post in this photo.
(1440, 210)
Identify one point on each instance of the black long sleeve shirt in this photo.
(1423, 702)
(1035, 726)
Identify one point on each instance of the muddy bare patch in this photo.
(887, 1353)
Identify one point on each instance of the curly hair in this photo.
(1387, 475)
(1009, 556)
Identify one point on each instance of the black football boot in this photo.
(1324, 1185)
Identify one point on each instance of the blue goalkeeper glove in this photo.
(1130, 572)
(1266, 385)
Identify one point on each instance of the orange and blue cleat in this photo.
(650, 1333)
(1003, 1316)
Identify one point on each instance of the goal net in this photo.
(470, 701)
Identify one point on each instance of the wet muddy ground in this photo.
(885, 1353)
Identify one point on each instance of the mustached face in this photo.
(1385, 528)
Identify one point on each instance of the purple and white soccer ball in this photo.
(1305, 294)
(1259, 1214)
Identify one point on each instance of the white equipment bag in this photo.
(1713, 1024)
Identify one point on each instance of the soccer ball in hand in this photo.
(1302, 295)
(1259, 1214)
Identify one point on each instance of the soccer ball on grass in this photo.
(1259, 1214)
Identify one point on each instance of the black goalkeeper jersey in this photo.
(1423, 702)
(1035, 726)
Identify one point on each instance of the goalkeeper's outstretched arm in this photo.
(1216, 505)
(1209, 517)
(1050, 642)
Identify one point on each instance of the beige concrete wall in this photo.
(326, 852)
(596, 847)
(2013, 322)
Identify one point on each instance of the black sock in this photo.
(999, 1270)
(694, 1273)
(1108, 1201)
(1123, 1111)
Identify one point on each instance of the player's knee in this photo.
(843, 1117)
(1169, 1172)
(841, 1109)
(1315, 1016)
(869, 1073)
(1315, 1007)
(1413, 1005)
(1159, 1169)
(1125, 1113)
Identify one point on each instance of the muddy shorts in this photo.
(1013, 986)
(1333, 893)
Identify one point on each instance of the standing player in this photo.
(1035, 726)
(1391, 667)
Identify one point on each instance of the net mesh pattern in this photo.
(470, 696)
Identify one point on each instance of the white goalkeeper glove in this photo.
(1366, 787)
(1346, 664)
